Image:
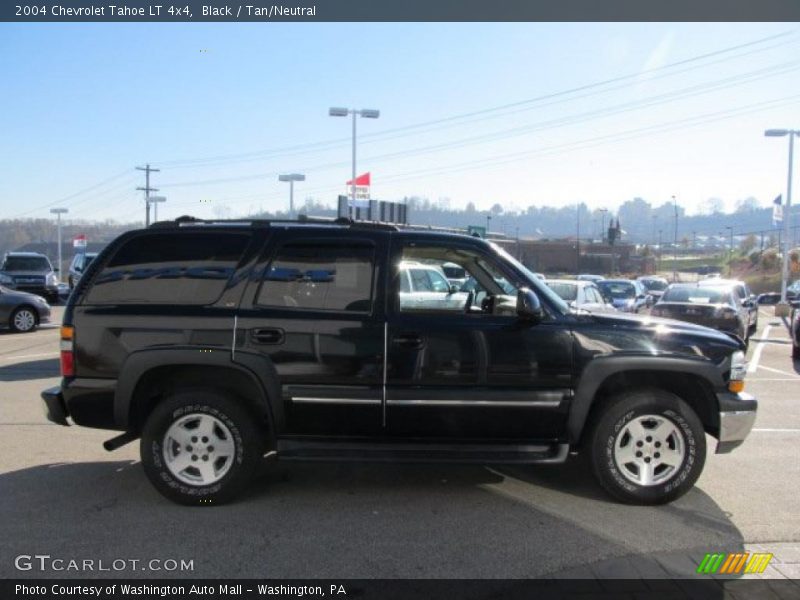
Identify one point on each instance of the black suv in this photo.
(30, 272)
(216, 343)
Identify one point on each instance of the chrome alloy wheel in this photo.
(649, 450)
(24, 320)
(199, 449)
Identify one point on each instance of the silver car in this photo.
(580, 294)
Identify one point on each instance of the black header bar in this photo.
(397, 10)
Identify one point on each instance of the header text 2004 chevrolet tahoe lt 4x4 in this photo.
(215, 343)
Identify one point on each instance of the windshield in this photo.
(534, 282)
(617, 289)
(697, 295)
(654, 285)
(566, 291)
(26, 263)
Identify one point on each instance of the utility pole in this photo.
(147, 189)
(694, 240)
(659, 250)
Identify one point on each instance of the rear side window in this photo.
(169, 268)
(319, 277)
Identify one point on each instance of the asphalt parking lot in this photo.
(62, 495)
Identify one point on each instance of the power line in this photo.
(331, 144)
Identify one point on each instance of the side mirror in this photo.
(453, 289)
(528, 305)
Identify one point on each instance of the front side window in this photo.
(319, 277)
(422, 284)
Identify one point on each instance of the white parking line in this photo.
(29, 356)
(767, 430)
(777, 371)
(751, 368)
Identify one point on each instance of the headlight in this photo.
(52, 279)
(6, 280)
(738, 371)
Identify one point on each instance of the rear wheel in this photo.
(201, 447)
(24, 320)
(647, 447)
(795, 352)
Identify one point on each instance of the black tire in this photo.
(615, 415)
(795, 352)
(247, 435)
(13, 322)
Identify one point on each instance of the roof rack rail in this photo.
(188, 220)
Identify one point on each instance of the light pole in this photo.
(603, 212)
(58, 212)
(659, 250)
(291, 178)
(366, 113)
(675, 243)
(730, 250)
(784, 307)
(488, 218)
(155, 201)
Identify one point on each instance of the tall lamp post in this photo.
(488, 218)
(782, 310)
(58, 212)
(603, 212)
(366, 113)
(675, 243)
(291, 178)
(730, 250)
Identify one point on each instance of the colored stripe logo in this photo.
(734, 563)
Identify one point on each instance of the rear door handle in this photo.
(267, 336)
(410, 341)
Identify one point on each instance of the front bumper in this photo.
(737, 414)
(54, 407)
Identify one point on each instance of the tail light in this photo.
(67, 346)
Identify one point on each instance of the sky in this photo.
(520, 114)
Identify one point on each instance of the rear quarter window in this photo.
(169, 268)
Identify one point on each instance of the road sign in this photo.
(476, 231)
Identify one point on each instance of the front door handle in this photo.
(267, 336)
(409, 341)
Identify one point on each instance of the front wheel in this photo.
(24, 320)
(647, 447)
(201, 447)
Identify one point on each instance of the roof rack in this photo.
(190, 221)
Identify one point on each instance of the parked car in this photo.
(22, 312)
(424, 287)
(79, 264)
(717, 307)
(654, 286)
(796, 330)
(589, 277)
(580, 294)
(625, 295)
(215, 343)
(746, 299)
(30, 272)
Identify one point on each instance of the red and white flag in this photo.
(362, 190)
(79, 241)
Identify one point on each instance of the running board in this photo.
(422, 453)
